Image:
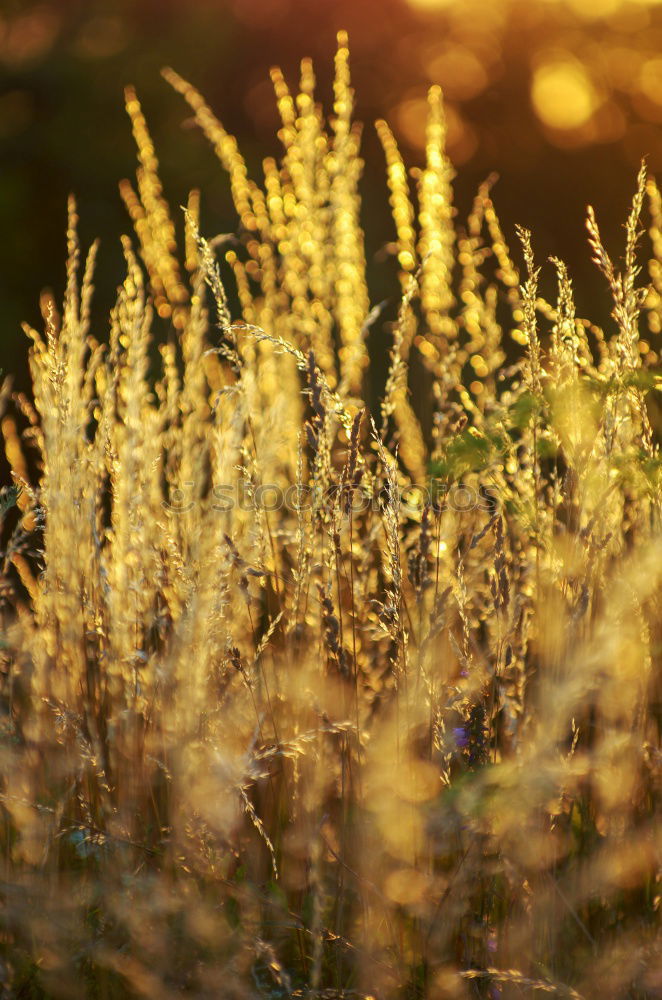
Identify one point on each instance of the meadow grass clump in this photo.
(304, 698)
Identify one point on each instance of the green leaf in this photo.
(8, 498)
(469, 451)
(521, 412)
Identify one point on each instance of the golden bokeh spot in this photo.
(563, 94)
(405, 886)
(431, 4)
(650, 80)
(519, 336)
(425, 347)
(610, 122)
(416, 781)
(410, 118)
(413, 497)
(478, 364)
(458, 70)
(621, 66)
(592, 10)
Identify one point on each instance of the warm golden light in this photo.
(459, 71)
(409, 118)
(587, 10)
(594, 9)
(563, 95)
(431, 4)
(650, 79)
(331, 567)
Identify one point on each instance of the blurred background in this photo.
(561, 97)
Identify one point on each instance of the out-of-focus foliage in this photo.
(568, 91)
(303, 697)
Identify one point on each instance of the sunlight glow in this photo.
(563, 95)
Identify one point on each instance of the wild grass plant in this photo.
(306, 697)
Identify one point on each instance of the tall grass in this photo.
(304, 699)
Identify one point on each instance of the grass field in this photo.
(311, 686)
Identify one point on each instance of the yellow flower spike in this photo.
(401, 206)
(225, 146)
(436, 243)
